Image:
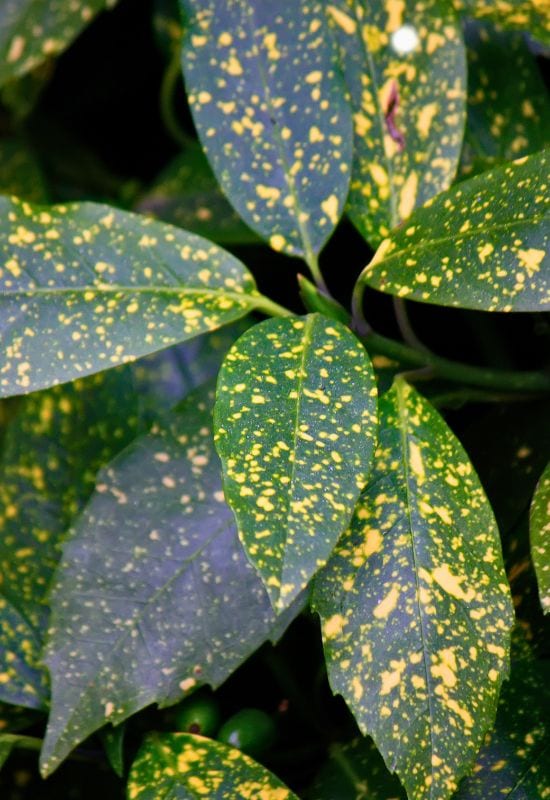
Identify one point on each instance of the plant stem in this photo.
(499, 380)
(313, 263)
(170, 79)
(270, 307)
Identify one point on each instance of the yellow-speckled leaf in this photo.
(482, 244)
(84, 287)
(272, 114)
(405, 67)
(50, 454)
(524, 15)
(187, 767)
(154, 594)
(295, 426)
(507, 119)
(33, 30)
(415, 607)
(540, 537)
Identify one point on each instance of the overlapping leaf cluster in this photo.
(153, 543)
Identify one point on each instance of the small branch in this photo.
(404, 325)
(172, 75)
(270, 307)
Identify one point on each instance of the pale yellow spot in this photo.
(531, 259)
(425, 119)
(391, 679)
(388, 604)
(268, 192)
(415, 460)
(395, 11)
(333, 626)
(277, 242)
(330, 208)
(451, 583)
(407, 196)
(485, 251)
(16, 49)
(233, 66)
(347, 24)
(314, 77)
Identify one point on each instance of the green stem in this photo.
(313, 263)
(270, 307)
(172, 75)
(499, 380)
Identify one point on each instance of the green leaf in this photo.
(482, 244)
(20, 173)
(295, 424)
(523, 15)
(154, 594)
(507, 119)
(540, 537)
(8, 741)
(271, 111)
(515, 762)
(33, 30)
(183, 766)
(414, 603)
(355, 771)
(85, 287)
(188, 195)
(314, 299)
(49, 457)
(112, 740)
(405, 67)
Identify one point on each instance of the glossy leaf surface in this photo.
(507, 119)
(482, 244)
(33, 30)
(272, 114)
(523, 15)
(405, 67)
(540, 537)
(85, 287)
(295, 423)
(187, 767)
(414, 603)
(188, 195)
(154, 594)
(50, 454)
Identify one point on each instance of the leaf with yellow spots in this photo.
(50, 454)
(404, 65)
(523, 15)
(32, 31)
(154, 594)
(415, 607)
(507, 119)
(85, 287)
(272, 114)
(187, 767)
(540, 537)
(295, 426)
(188, 195)
(515, 761)
(483, 244)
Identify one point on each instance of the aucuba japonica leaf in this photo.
(188, 767)
(154, 594)
(405, 68)
(506, 119)
(415, 607)
(524, 15)
(272, 114)
(482, 244)
(49, 457)
(540, 537)
(84, 287)
(33, 30)
(295, 426)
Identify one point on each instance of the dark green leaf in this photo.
(187, 767)
(85, 287)
(33, 30)
(415, 606)
(8, 741)
(49, 458)
(154, 594)
(295, 423)
(188, 195)
(540, 537)
(112, 740)
(20, 173)
(273, 117)
(356, 771)
(405, 67)
(507, 118)
(523, 15)
(482, 244)
(515, 762)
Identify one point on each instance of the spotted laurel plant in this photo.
(194, 468)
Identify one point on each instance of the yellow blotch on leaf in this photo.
(388, 604)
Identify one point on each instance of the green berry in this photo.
(199, 714)
(249, 730)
